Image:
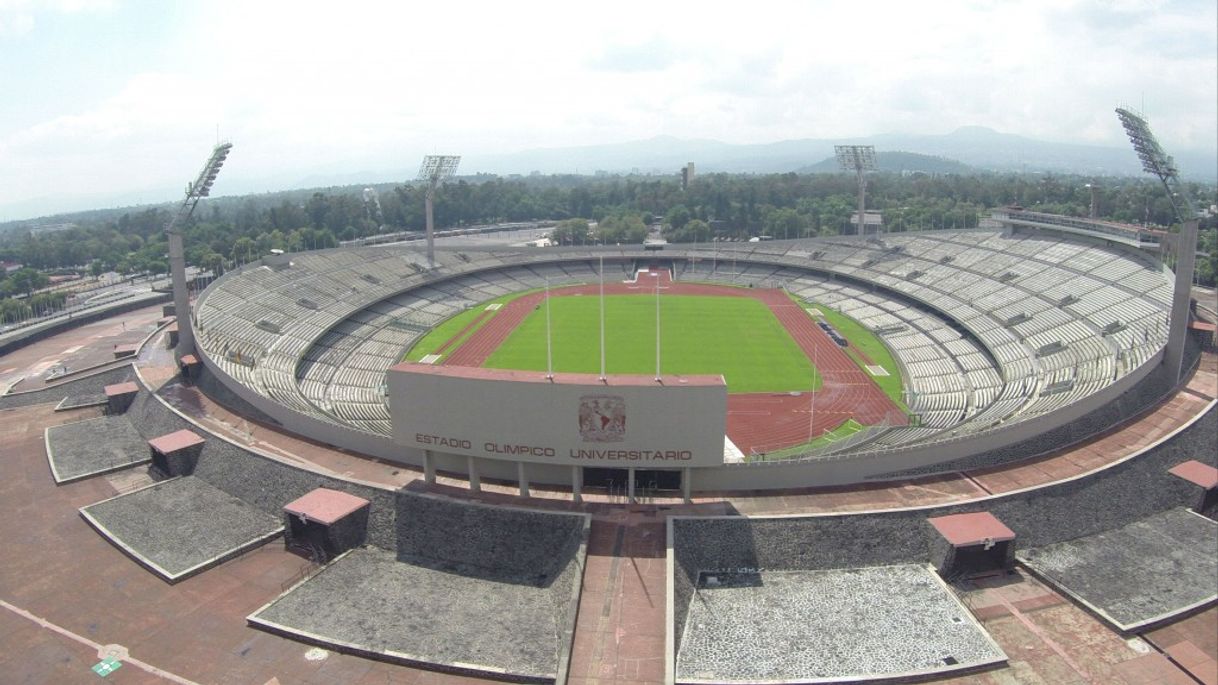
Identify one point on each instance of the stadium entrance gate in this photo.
(650, 480)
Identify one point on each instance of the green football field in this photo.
(735, 336)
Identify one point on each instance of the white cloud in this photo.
(364, 85)
(18, 17)
(15, 23)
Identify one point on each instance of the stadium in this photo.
(1003, 335)
(979, 455)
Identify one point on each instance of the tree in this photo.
(695, 230)
(12, 311)
(784, 223)
(28, 280)
(621, 228)
(677, 217)
(213, 262)
(571, 232)
(244, 250)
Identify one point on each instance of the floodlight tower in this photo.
(1159, 163)
(195, 191)
(860, 159)
(1093, 213)
(435, 168)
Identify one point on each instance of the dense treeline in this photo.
(228, 231)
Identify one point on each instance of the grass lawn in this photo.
(441, 334)
(737, 337)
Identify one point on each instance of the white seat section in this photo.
(988, 328)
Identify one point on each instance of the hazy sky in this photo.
(112, 99)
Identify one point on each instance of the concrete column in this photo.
(630, 485)
(522, 478)
(181, 296)
(1177, 332)
(429, 467)
(471, 467)
(429, 218)
(577, 484)
(687, 476)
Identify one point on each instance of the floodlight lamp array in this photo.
(1154, 159)
(202, 185)
(855, 157)
(1157, 162)
(437, 167)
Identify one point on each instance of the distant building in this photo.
(50, 228)
(687, 175)
(10, 267)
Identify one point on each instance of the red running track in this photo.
(755, 421)
(472, 324)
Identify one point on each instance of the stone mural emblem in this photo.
(602, 418)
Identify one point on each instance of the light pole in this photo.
(195, 191)
(434, 169)
(1159, 163)
(860, 159)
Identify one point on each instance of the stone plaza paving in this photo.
(806, 626)
(180, 526)
(1137, 574)
(84, 448)
(369, 601)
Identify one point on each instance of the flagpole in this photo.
(657, 277)
(549, 346)
(602, 260)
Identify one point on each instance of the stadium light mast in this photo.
(1093, 213)
(860, 159)
(435, 168)
(1159, 163)
(195, 191)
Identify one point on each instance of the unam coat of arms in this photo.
(602, 418)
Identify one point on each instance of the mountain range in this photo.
(982, 149)
(969, 149)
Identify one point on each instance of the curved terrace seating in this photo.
(1006, 327)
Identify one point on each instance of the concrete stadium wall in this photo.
(522, 416)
